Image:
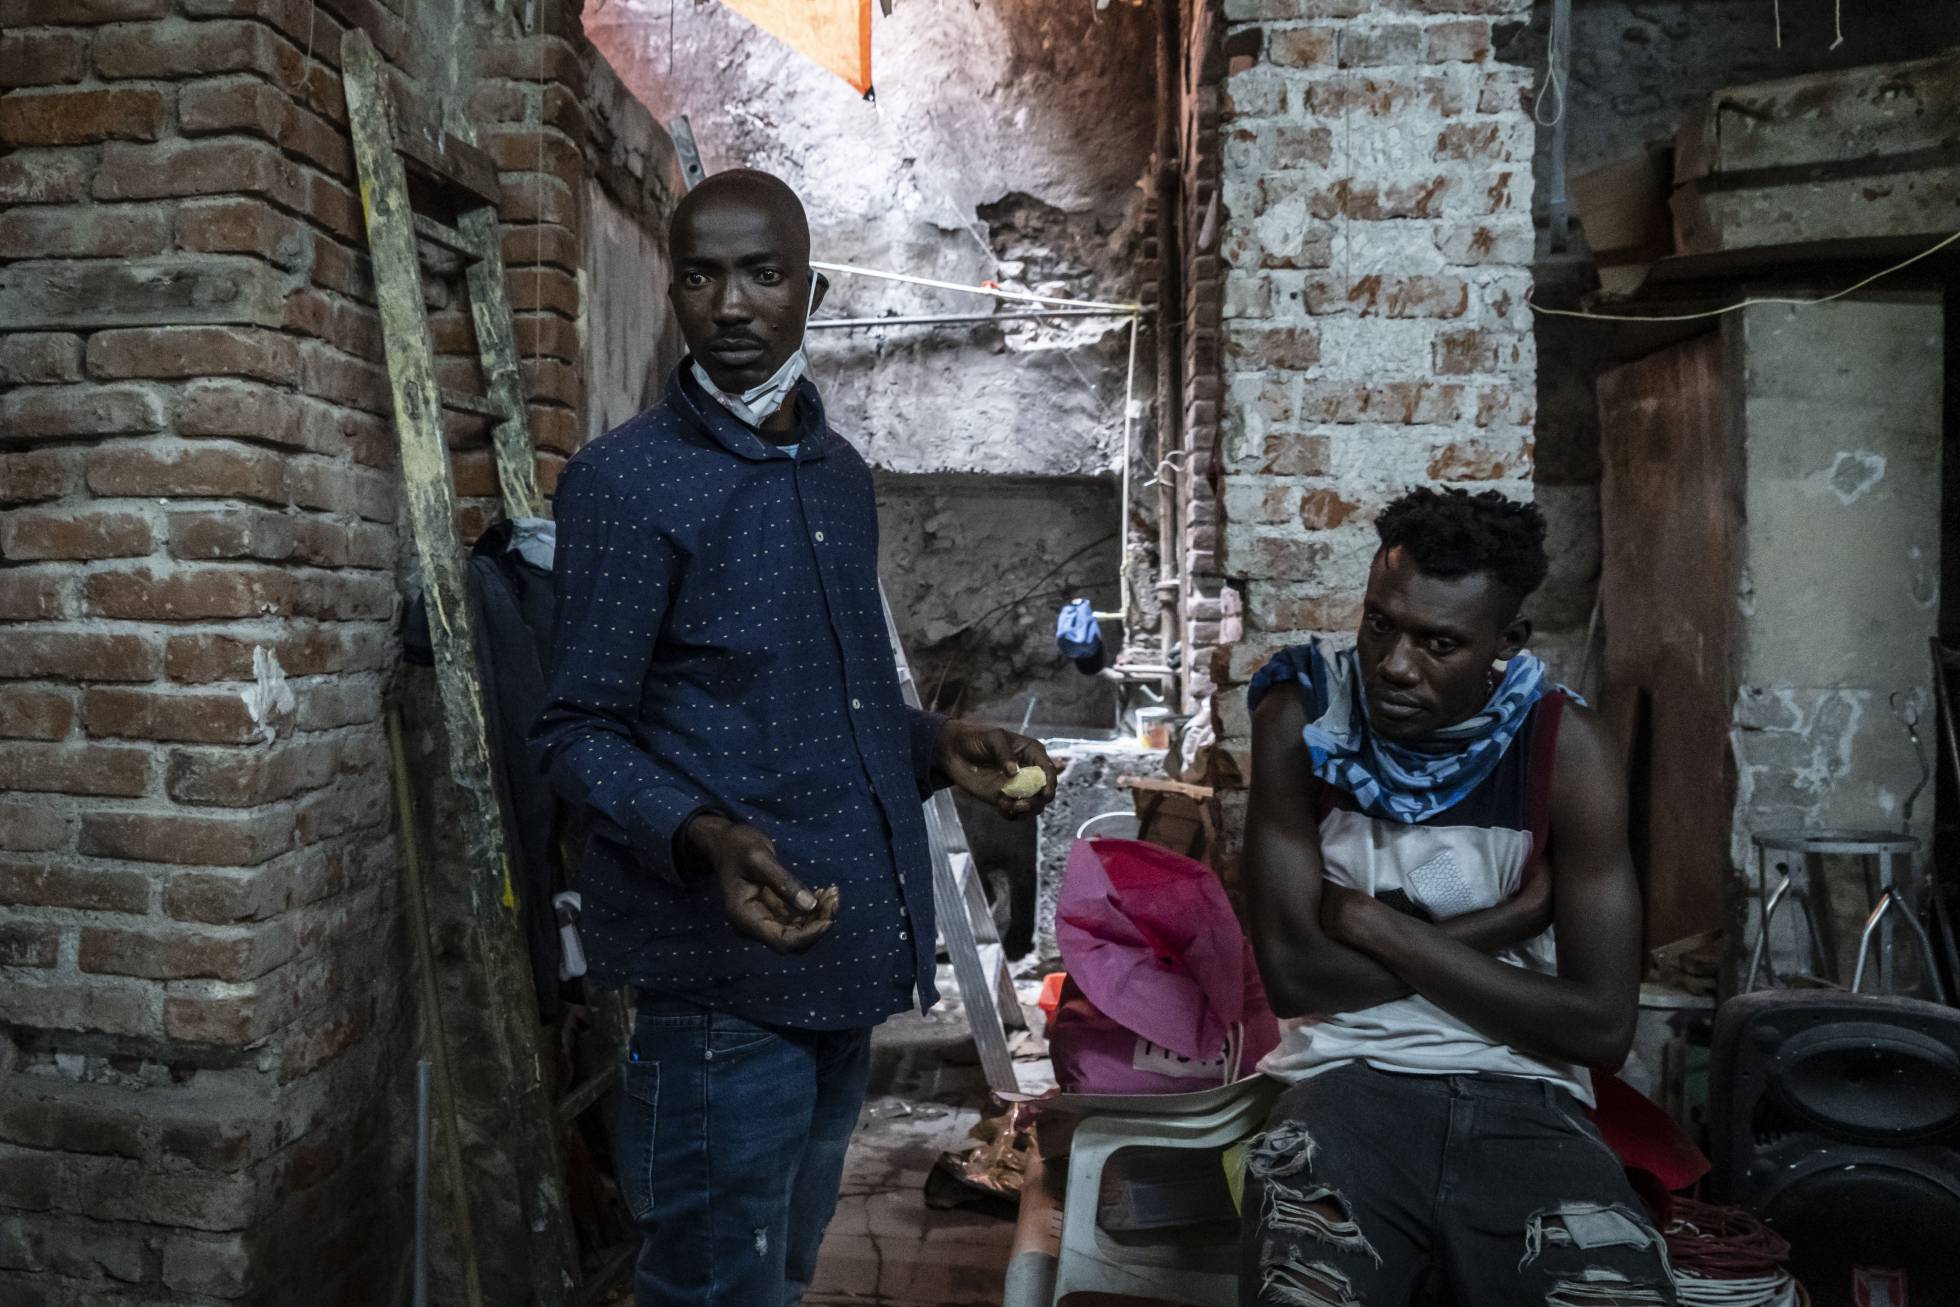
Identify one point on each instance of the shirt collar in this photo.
(705, 414)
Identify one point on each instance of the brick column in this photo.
(528, 115)
(1376, 239)
(200, 1011)
(1209, 610)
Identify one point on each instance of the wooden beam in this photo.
(517, 459)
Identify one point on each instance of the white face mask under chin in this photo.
(758, 404)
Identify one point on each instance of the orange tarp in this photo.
(835, 33)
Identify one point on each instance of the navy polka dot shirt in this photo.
(721, 647)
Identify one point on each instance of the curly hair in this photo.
(1453, 533)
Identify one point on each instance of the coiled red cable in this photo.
(1723, 1243)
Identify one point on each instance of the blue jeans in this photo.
(731, 1149)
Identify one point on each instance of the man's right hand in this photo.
(761, 898)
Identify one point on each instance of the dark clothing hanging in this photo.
(513, 604)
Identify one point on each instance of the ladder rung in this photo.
(480, 405)
(435, 154)
(574, 1103)
(447, 237)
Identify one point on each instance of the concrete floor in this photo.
(885, 1246)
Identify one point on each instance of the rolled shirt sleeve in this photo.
(925, 728)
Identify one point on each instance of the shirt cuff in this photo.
(660, 813)
(926, 728)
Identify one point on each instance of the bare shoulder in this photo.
(1588, 775)
(1280, 715)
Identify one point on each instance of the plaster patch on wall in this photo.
(268, 699)
(1924, 584)
(1851, 476)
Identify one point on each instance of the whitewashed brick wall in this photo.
(1376, 237)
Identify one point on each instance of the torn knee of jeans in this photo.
(1281, 1151)
(1585, 1226)
(1289, 1280)
(1599, 1287)
(1318, 1212)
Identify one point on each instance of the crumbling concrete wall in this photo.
(1635, 68)
(1376, 235)
(1006, 144)
(1840, 408)
(205, 1036)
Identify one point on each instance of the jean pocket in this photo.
(1567, 1109)
(733, 1037)
(639, 1119)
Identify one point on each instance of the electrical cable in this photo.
(1725, 1257)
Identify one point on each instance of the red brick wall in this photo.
(1207, 606)
(204, 1005)
(196, 464)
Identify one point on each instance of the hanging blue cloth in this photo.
(1079, 636)
(1387, 779)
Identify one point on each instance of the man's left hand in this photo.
(980, 759)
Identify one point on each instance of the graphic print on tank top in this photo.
(1463, 859)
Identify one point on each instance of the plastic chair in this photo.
(1089, 1260)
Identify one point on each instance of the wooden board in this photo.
(1671, 534)
(1860, 153)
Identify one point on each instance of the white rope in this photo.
(1023, 296)
(1553, 85)
(1792, 301)
(1171, 461)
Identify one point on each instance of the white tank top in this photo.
(1449, 870)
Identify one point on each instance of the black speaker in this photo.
(1835, 1118)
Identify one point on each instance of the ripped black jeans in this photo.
(1369, 1189)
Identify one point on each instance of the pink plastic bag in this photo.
(1164, 996)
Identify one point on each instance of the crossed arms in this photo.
(1324, 948)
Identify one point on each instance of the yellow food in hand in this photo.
(1025, 783)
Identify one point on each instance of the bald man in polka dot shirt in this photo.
(725, 707)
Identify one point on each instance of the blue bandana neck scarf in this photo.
(1399, 782)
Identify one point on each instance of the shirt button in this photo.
(819, 537)
(856, 704)
(903, 911)
(904, 935)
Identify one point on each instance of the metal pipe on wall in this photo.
(1169, 327)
